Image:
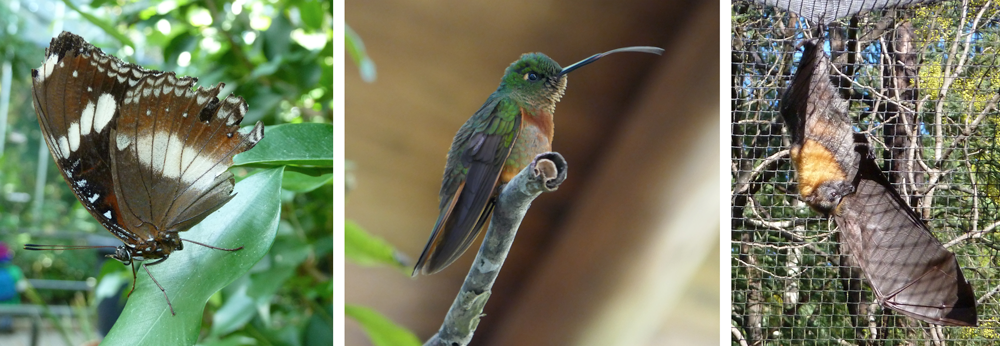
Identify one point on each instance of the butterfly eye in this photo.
(531, 76)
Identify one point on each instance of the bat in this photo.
(906, 266)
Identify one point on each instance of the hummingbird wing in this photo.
(483, 144)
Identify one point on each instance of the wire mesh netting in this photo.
(922, 84)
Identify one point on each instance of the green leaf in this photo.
(99, 3)
(280, 336)
(306, 144)
(287, 254)
(181, 42)
(278, 37)
(253, 295)
(234, 314)
(191, 276)
(266, 69)
(355, 48)
(366, 249)
(264, 103)
(302, 182)
(381, 330)
(299, 70)
(311, 12)
(111, 282)
(232, 340)
(319, 330)
(107, 27)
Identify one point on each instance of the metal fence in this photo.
(923, 84)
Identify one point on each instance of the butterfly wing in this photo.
(162, 144)
(171, 150)
(76, 93)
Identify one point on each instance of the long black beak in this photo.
(593, 58)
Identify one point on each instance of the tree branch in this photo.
(544, 174)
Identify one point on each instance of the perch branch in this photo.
(544, 174)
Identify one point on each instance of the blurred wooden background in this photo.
(626, 251)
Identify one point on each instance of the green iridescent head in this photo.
(538, 80)
(535, 77)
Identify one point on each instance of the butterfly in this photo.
(146, 152)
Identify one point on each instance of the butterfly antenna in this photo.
(212, 247)
(40, 247)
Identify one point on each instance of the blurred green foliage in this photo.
(275, 54)
(381, 330)
(364, 248)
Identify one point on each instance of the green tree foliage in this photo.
(275, 54)
(787, 288)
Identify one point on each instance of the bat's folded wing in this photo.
(907, 267)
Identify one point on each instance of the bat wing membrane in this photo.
(908, 268)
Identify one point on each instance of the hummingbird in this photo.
(498, 141)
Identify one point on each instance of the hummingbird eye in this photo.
(531, 76)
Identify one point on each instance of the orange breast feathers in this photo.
(814, 165)
(542, 120)
(534, 138)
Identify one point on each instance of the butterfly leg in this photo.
(133, 280)
(145, 266)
